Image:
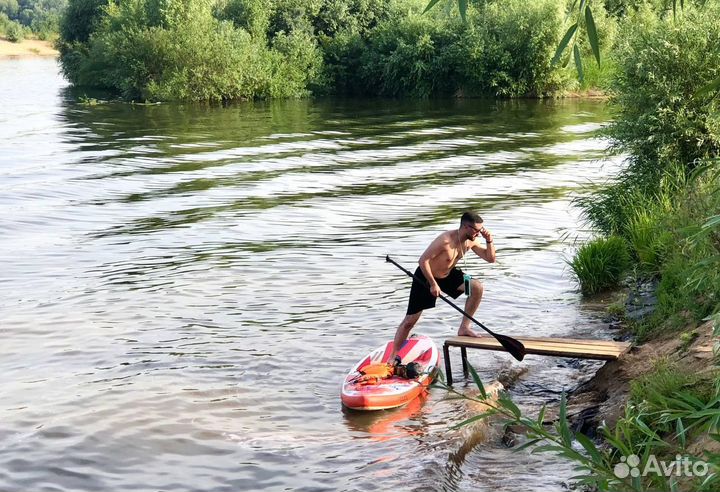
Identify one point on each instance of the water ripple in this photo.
(183, 287)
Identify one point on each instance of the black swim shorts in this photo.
(420, 296)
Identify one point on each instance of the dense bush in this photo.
(520, 39)
(80, 19)
(292, 48)
(407, 56)
(504, 49)
(663, 62)
(321, 18)
(660, 124)
(177, 50)
(14, 32)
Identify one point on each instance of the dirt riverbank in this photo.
(27, 48)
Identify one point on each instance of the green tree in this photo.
(80, 19)
(9, 8)
(251, 15)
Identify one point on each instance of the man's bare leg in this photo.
(471, 305)
(402, 332)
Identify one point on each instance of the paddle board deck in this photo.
(394, 391)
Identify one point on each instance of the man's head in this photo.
(470, 225)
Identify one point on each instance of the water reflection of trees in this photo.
(241, 146)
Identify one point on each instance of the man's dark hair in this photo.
(470, 218)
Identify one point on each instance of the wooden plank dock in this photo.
(557, 347)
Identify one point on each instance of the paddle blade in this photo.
(515, 347)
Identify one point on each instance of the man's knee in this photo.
(477, 287)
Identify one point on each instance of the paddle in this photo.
(515, 347)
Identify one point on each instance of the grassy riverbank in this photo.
(659, 231)
(658, 239)
(657, 221)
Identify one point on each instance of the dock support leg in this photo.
(448, 369)
(463, 354)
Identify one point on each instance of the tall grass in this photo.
(665, 380)
(649, 225)
(647, 239)
(671, 236)
(600, 264)
(689, 289)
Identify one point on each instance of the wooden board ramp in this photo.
(557, 347)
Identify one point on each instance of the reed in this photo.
(600, 264)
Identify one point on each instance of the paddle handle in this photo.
(425, 284)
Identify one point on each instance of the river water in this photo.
(184, 287)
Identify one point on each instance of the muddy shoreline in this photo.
(601, 399)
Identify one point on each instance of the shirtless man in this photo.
(437, 263)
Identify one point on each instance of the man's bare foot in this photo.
(465, 331)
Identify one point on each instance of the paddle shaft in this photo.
(425, 284)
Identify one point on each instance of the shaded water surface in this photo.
(183, 287)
